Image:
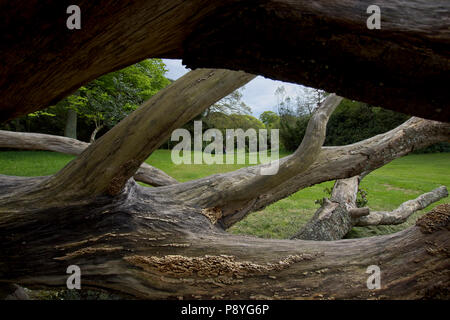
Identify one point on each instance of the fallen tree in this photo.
(339, 214)
(399, 66)
(170, 242)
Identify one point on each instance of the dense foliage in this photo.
(101, 103)
(351, 122)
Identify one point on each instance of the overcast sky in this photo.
(259, 94)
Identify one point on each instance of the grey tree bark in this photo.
(94, 133)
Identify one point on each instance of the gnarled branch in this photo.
(337, 216)
(404, 211)
(249, 182)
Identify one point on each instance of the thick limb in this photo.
(107, 164)
(332, 221)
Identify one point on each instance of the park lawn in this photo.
(399, 181)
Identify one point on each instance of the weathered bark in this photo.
(337, 216)
(332, 163)
(38, 141)
(70, 129)
(324, 44)
(147, 246)
(166, 243)
(332, 221)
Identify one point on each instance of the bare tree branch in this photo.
(337, 216)
(38, 141)
(404, 211)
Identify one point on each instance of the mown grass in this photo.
(387, 187)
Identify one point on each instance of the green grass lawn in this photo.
(387, 187)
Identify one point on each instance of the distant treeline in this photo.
(351, 122)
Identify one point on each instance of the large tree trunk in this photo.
(169, 242)
(146, 246)
(325, 44)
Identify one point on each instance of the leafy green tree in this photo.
(270, 119)
(112, 97)
(107, 100)
(352, 121)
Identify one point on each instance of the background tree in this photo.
(102, 103)
(270, 119)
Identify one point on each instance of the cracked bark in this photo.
(146, 246)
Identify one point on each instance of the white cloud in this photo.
(176, 69)
(259, 93)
